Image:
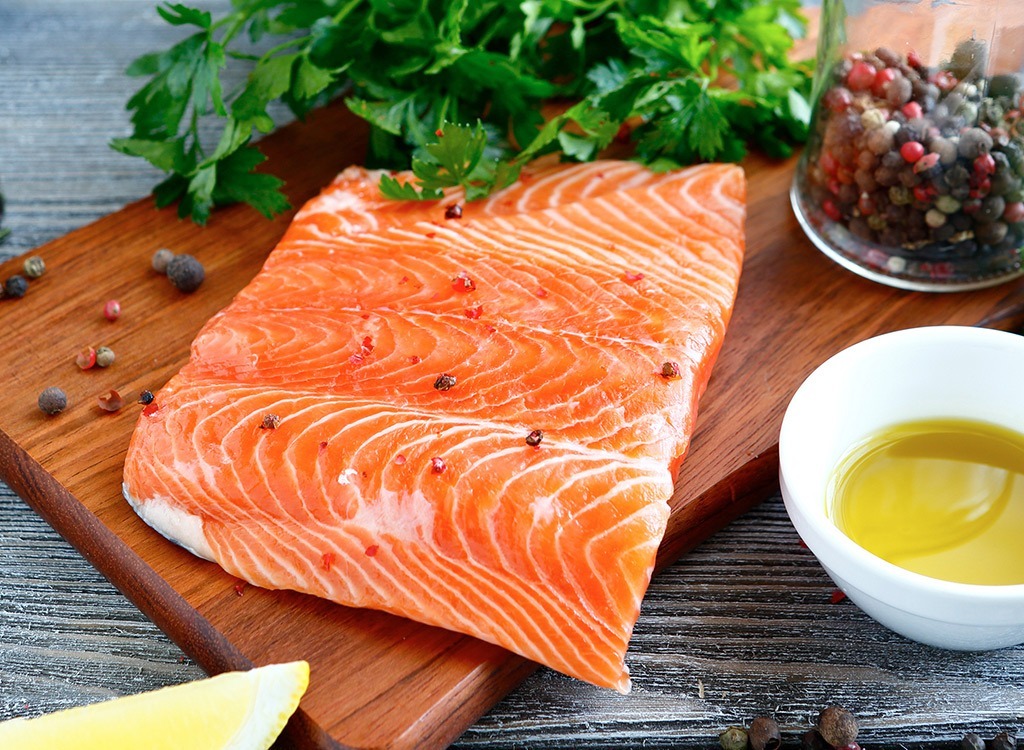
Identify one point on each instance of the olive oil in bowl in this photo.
(939, 497)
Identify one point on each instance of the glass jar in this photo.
(913, 174)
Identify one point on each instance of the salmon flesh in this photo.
(472, 421)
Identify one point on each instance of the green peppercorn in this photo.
(934, 218)
(34, 267)
(990, 112)
(52, 401)
(104, 356)
(161, 258)
(877, 222)
(185, 272)
(837, 726)
(947, 204)
(733, 738)
(900, 195)
(872, 118)
(16, 286)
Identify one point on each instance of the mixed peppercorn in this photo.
(926, 164)
(835, 729)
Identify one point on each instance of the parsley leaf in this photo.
(479, 73)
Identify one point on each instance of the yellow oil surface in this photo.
(940, 497)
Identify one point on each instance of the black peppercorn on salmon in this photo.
(470, 418)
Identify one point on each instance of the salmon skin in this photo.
(472, 422)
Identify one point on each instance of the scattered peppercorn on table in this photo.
(743, 626)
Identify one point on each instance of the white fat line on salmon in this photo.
(578, 177)
(726, 205)
(544, 335)
(644, 513)
(544, 242)
(717, 224)
(521, 242)
(658, 263)
(661, 509)
(450, 425)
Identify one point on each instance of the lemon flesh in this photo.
(236, 710)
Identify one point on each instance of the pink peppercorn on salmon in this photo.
(472, 420)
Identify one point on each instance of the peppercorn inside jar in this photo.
(914, 173)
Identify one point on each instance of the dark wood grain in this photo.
(728, 619)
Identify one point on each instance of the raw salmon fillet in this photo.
(362, 422)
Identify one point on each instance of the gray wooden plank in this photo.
(742, 626)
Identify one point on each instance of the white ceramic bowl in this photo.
(917, 373)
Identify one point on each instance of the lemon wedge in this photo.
(236, 710)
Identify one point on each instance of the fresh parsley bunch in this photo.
(455, 89)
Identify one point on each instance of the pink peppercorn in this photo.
(926, 162)
(838, 99)
(911, 151)
(827, 162)
(831, 210)
(112, 310)
(882, 80)
(862, 76)
(1013, 212)
(985, 164)
(912, 110)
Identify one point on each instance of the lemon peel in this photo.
(232, 711)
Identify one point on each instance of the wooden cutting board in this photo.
(377, 681)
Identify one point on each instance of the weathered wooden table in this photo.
(742, 626)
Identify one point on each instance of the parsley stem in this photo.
(345, 10)
(283, 46)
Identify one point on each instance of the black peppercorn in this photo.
(1004, 84)
(52, 401)
(972, 741)
(16, 286)
(890, 58)
(992, 233)
(146, 398)
(968, 58)
(837, 726)
(764, 734)
(893, 160)
(534, 438)
(185, 272)
(811, 740)
(445, 382)
(453, 211)
(973, 143)
(991, 209)
(1003, 741)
